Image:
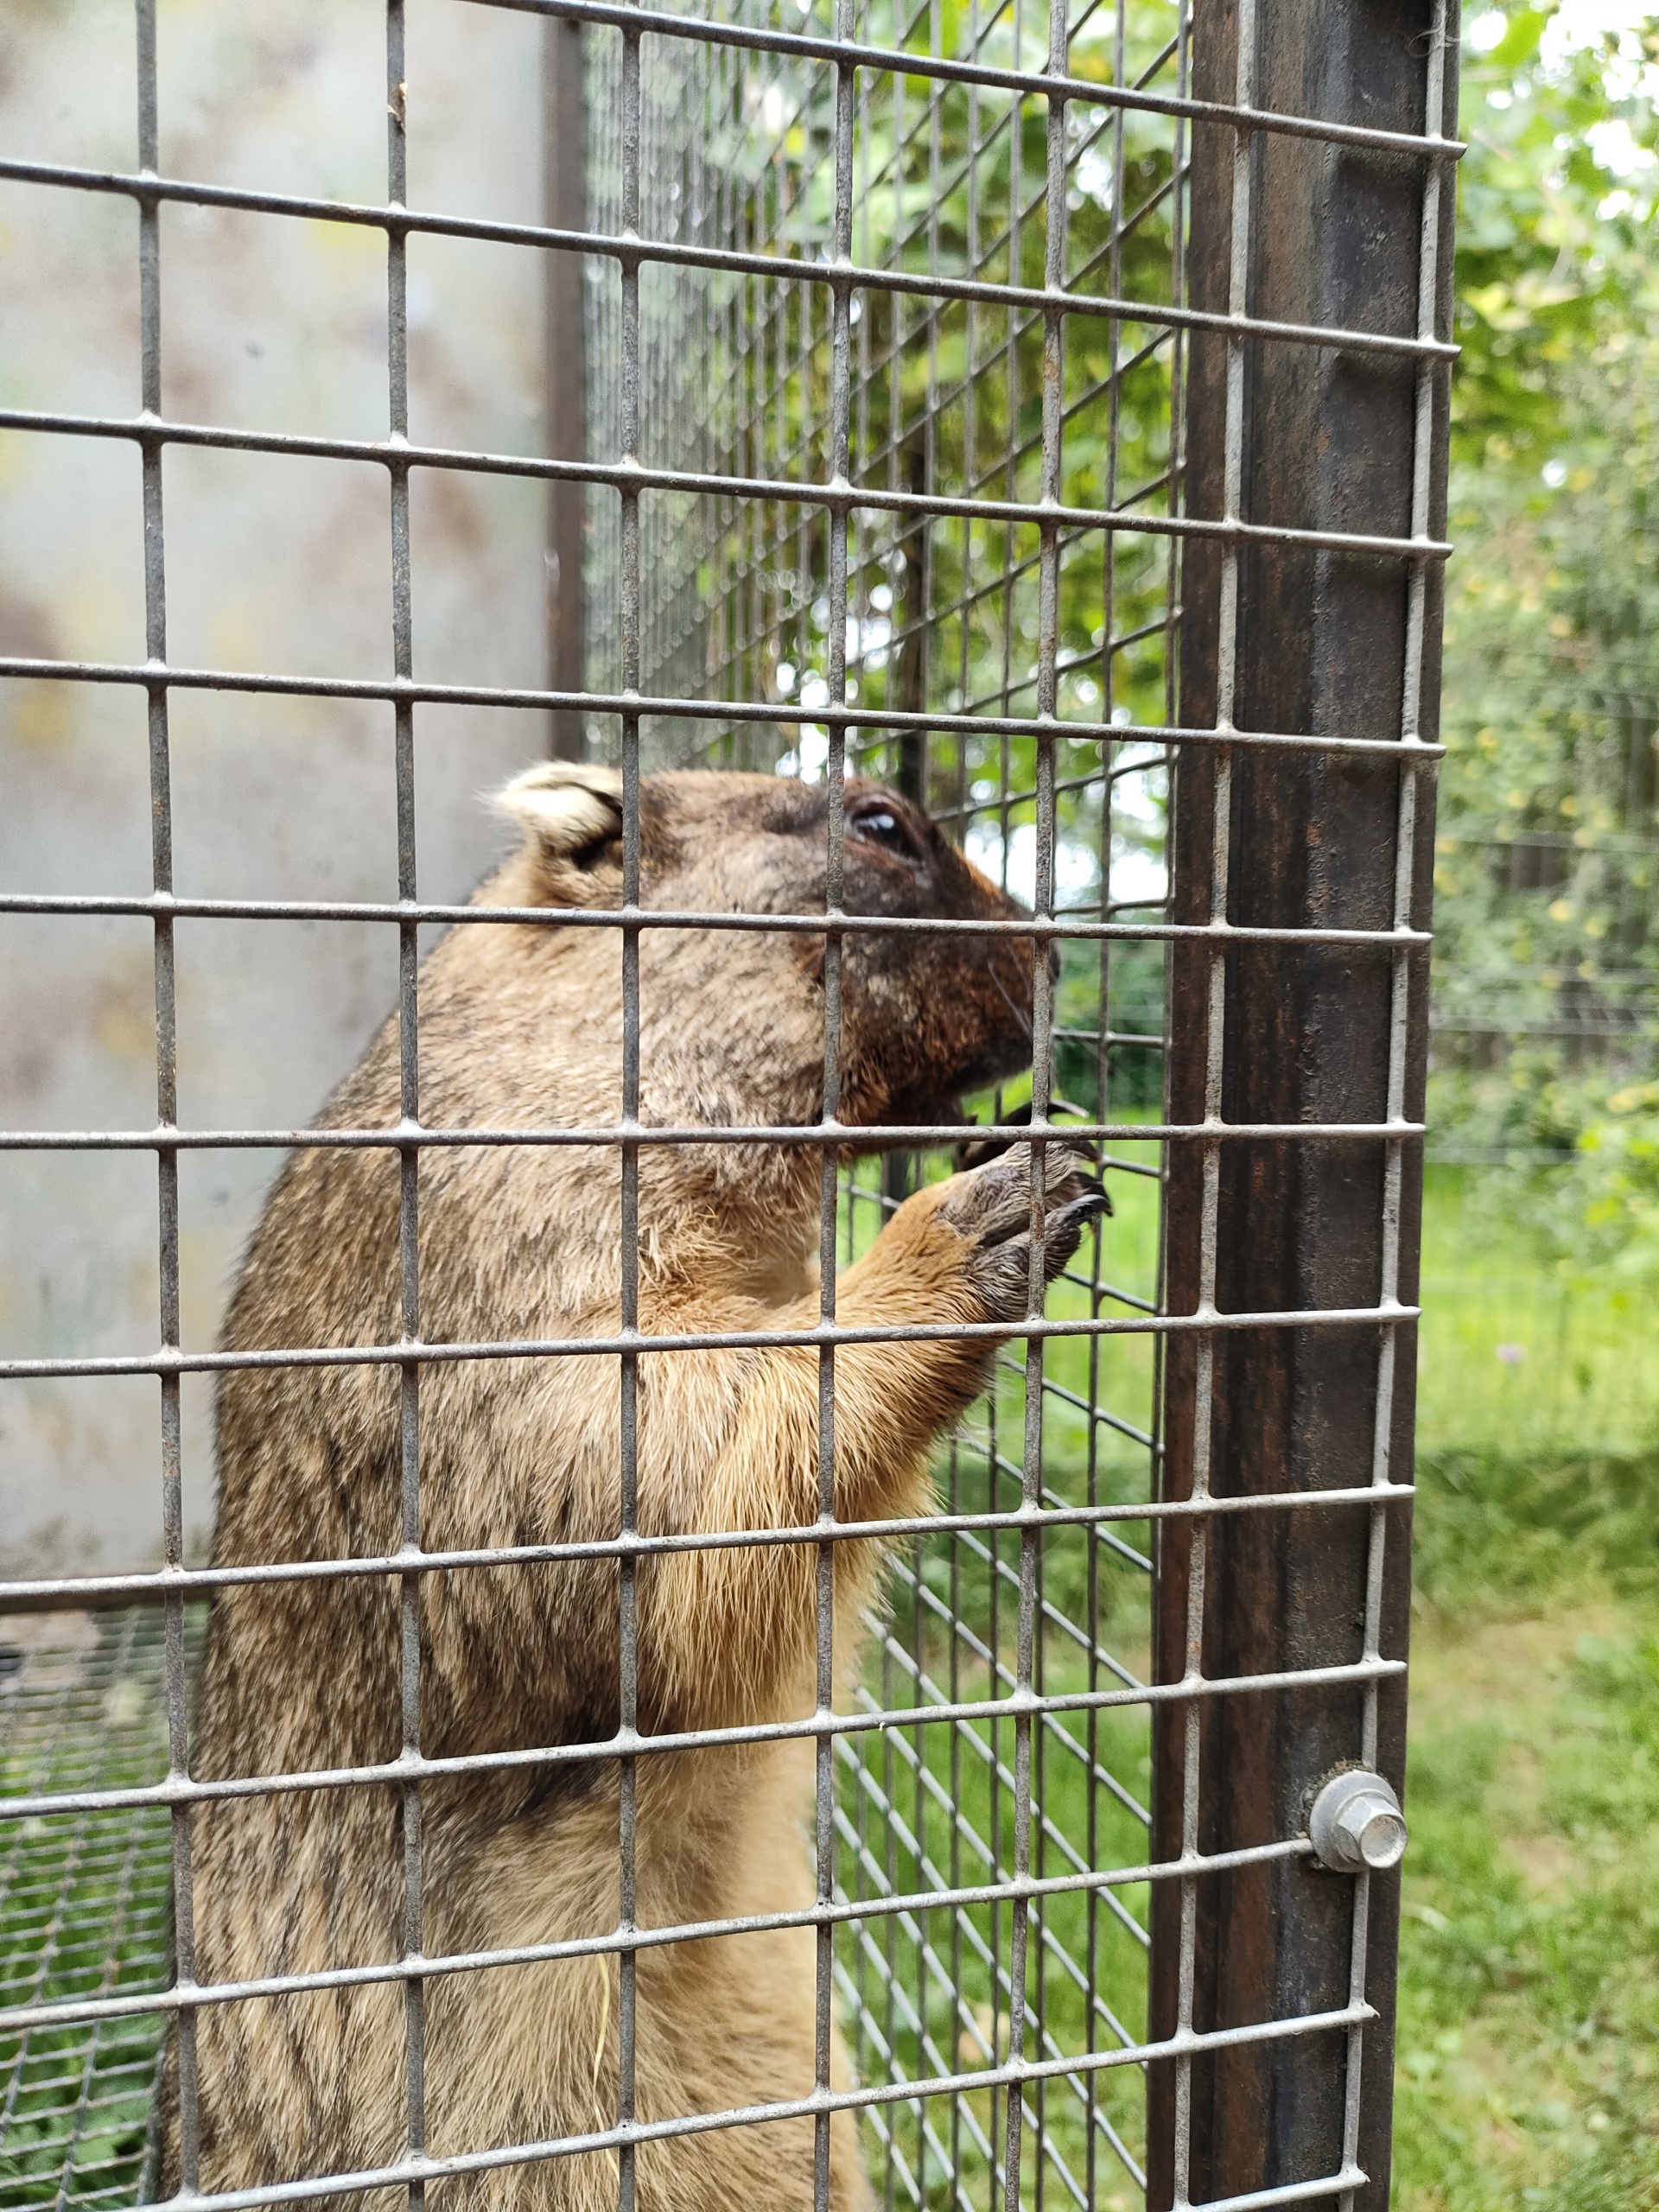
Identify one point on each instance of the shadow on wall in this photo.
(273, 564)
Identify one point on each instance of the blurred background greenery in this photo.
(1529, 2052)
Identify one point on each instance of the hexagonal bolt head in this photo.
(1357, 1826)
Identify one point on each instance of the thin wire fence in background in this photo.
(1537, 1365)
(936, 620)
(83, 1905)
(1540, 1285)
(943, 615)
(1557, 951)
(887, 341)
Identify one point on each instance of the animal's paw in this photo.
(990, 1207)
(976, 1151)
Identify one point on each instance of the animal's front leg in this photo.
(958, 1251)
(733, 1627)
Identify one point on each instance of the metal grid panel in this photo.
(891, 389)
(941, 613)
(85, 1904)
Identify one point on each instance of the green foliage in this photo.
(1546, 867)
(1554, 207)
(1576, 1172)
(1596, 1219)
(951, 396)
(1624, 1209)
(1547, 967)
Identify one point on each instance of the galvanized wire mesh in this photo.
(883, 470)
(1556, 951)
(748, 599)
(84, 1904)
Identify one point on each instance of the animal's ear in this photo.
(571, 815)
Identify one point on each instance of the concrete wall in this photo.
(273, 564)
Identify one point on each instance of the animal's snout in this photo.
(1053, 964)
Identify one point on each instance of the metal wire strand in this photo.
(167, 1159)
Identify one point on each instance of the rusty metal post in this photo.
(564, 183)
(1289, 637)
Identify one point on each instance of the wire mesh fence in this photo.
(888, 338)
(929, 612)
(1554, 1365)
(84, 1904)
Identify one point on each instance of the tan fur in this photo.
(520, 1026)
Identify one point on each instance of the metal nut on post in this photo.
(1357, 1826)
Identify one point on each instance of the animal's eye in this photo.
(883, 827)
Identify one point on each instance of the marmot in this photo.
(520, 1026)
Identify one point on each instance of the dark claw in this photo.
(1063, 1230)
(1075, 1214)
(980, 1153)
(1095, 1201)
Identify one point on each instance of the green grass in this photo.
(1528, 2034)
(1513, 1353)
(1528, 2054)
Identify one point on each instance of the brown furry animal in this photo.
(520, 1026)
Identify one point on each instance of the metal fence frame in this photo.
(1294, 1035)
(1337, 739)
